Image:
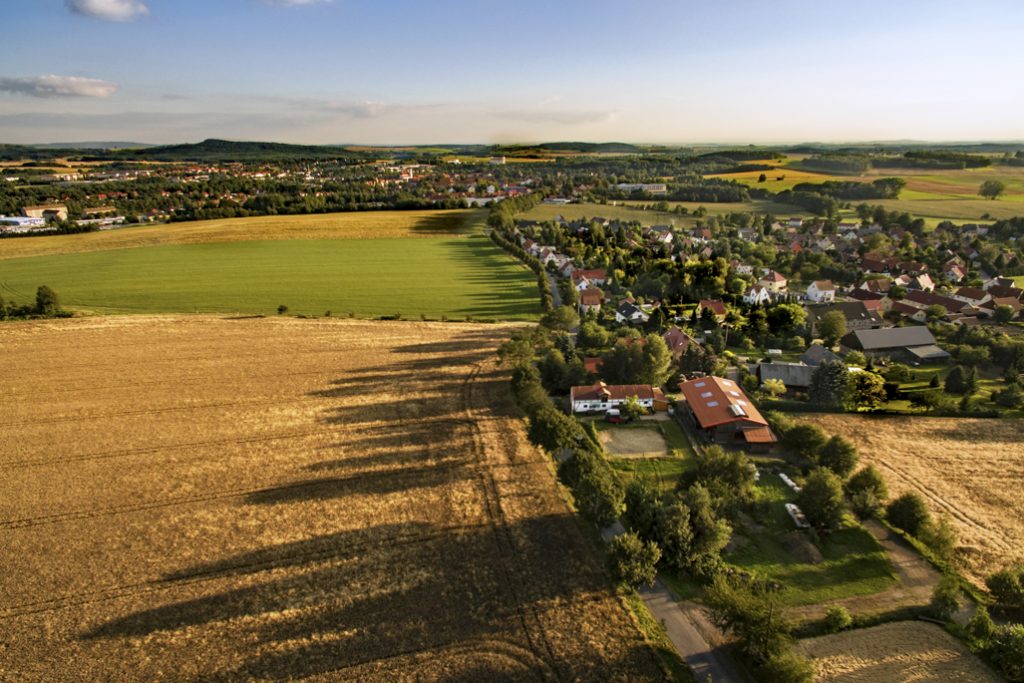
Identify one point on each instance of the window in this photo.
(706, 394)
(712, 404)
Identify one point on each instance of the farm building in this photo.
(47, 211)
(858, 315)
(816, 354)
(720, 409)
(793, 375)
(601, 397)
(913, 344)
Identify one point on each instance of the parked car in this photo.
(615, 416)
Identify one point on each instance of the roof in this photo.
(823, 285)
(715, 401)
(591, 297)
(851, 310)
(929, 352)
(931, 299)
(773, 277)
(791, 374)
(717, 306)
(616, 392)
(973, 293)
(890, 338)
(759, 435)
(817, 354)
(590, 274)
(677, 340)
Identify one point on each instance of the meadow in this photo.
(374, 265)
(201, 499)
(969, 470)
(634, 211)
(899, 652)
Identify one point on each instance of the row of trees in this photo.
(46, 305)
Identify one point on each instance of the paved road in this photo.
(695, 638)
(556, 296)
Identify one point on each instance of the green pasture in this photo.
(431, 276)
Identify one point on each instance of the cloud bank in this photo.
(109, 10)
(57, 86)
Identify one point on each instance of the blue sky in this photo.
(401, 71)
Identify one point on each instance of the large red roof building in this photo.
(725, 414)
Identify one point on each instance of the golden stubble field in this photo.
(900, 652)
(193, 498)
(970, 470)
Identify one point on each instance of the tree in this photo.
(908, 512)
(838, 455)
(821, 498)
(47, 302)
(856, 358)
(1003, 314)
(867, 491)
(1010, 397)
(643, 508)
(282, 309)
(632, 408)
(553, 371)
(728, 476)
(755, 619)
(592, 336)
(553, 430)
(710, 533)
(829, 385)
(935, 312)
(595, 487)
(805, 441)
(981, 627)
(867, 390)
(633, 560)
(1006, 649)
(773, 387)
(656, 361)
(786, 667)
(961, 380)
(831, 327)
(990, 189)
(675, 535)
(562, 318)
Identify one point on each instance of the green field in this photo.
(431, 276)
(631, 211)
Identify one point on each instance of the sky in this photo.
(453, 71)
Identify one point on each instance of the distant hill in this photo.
(228, 150)
(92, 145)
(582, 147)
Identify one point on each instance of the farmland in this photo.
(898, 653)
(384, 266)
(970, 470)
(193, 498)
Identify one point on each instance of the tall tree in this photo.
(990, 189)
(831, 327)
(829, 385)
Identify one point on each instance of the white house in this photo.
(630, 313)
(774, 282)
(601, 397)
(821, 291)
(590, 300)
(757, 296)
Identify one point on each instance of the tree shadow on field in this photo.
(445, 224)
(411, 557)
(341, 600)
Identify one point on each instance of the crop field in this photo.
(202, 499)
(971, 470)
(632, 211)
(453, 276)
(900, 652)
(785, 178)
(323, 226)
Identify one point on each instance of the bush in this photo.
(786, 667)
(946, 597)
(1007, 587)
(633, 560)
(908, 512)
(981, 627)
(837, 618)
(1006, 649)
(282, 309)
(805, 440)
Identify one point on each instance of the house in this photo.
(21, 224)
(972, 295)
(630, 313)
(716, 306)
(922, 300)
(677, 341)
(821, 291)
(592, 364)
(774, 282)
(793, 375)
(582, 278)
(816, 354)
(719, 408)
(602, 397)
(590, 300)
(858, 315)
(757, 296)
(914, 344)
(47, 212)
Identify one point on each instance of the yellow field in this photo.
(355, 225)
(196, 499)
(901, 652)
(790, 177)
(969, 470)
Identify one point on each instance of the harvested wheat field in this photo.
(900, 652)
(971, 470)
(194, 498)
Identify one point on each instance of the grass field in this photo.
(453, 276)
(200, 499)
(970, 470)
(848, 562)
(789, 178)
(900, 652)
(631, 211)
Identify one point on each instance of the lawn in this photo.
(664, 472)
(431, 276)
(851, 561)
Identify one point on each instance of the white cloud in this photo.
(58, 86)
(110, 10)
